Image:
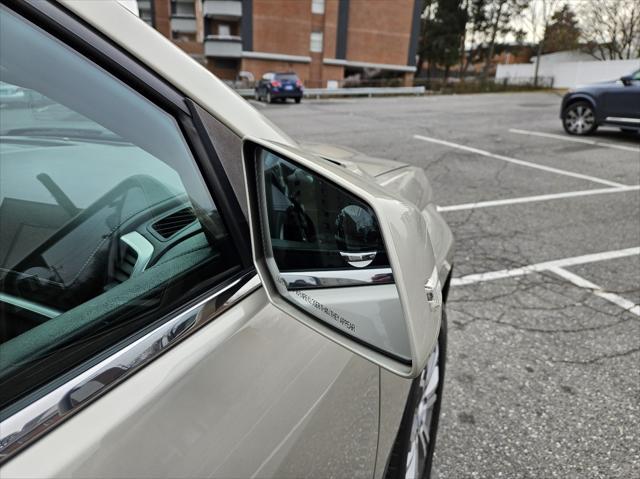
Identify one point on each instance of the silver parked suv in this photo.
(185, 291)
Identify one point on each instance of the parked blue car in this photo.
(279, 86)
(614, 103)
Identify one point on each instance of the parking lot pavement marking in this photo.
(575, 140)
(545, 266)
(518, 162)
(532, 199)
(597, 290)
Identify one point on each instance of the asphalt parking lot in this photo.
(543, 370)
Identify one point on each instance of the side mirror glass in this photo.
(327, 257)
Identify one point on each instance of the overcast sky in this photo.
(524, 22)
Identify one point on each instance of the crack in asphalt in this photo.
(598, 358)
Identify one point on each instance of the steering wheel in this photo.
(70, 267)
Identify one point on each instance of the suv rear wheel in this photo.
(579, 119)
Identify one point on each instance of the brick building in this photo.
(321, 40)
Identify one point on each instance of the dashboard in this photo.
(60, 255)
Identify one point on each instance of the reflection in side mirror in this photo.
(325, 251)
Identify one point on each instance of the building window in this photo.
(316, 42)
(226, 63)
(224, 29)
(145, 9)
(183, 36)
(185, 9)
(317, 6)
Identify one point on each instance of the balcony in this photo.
(183, 24)
(226, 9)
(223, 46)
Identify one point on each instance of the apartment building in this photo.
(323, 41)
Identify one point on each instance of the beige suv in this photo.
(185, 291)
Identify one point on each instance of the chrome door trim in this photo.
(39, 417)
(622, 119)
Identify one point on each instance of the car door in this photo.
(622, 101)
(136, 338)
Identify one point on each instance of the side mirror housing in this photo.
(343, 256)
(626, 80)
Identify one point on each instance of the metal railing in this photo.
(337, 92)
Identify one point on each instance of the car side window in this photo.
(106, 225)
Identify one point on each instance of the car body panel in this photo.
(350, 157)
(394, 390)
(253, 393)
(622, 101)
(407, 181)
(614, 103)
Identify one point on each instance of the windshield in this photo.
(27, 112)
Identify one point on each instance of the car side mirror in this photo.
(626, 80)
(343, 256)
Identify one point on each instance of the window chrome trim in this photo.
(337, 278)
(39, 417)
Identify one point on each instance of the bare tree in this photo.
(496, 19)
(538, 15)
(611, 28)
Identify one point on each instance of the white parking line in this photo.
(532, 199)
(597, 290)
(518, 162)
(575, 140)
(547, 265)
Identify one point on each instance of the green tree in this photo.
(563, 32)
(489, 21)
(477, 26)
(443, 27)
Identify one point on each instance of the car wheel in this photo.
(269, 99)
(298, 100)
(579, 119)
(412, 454)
